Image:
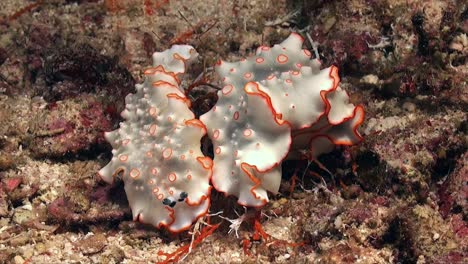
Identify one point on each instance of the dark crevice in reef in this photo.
(70, 71)
(93, 152)
(423, 39)
(370, 172)
(444, 166)
(399, 237)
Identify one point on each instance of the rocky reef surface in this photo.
(398, 197)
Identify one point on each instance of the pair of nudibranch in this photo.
(274, 105)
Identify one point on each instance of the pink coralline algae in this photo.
(275, 105)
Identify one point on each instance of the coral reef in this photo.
(398, 197)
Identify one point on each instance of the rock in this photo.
(18, 260)
(71, 126)
(20, 240)
(11, 184)
(92, 244)
(6, 161)
(3, 202)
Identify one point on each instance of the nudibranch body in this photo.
(275, 105)
(157, 148)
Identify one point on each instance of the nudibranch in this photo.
(275, 105)
(157, 148)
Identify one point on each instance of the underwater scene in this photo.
(233, 131)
